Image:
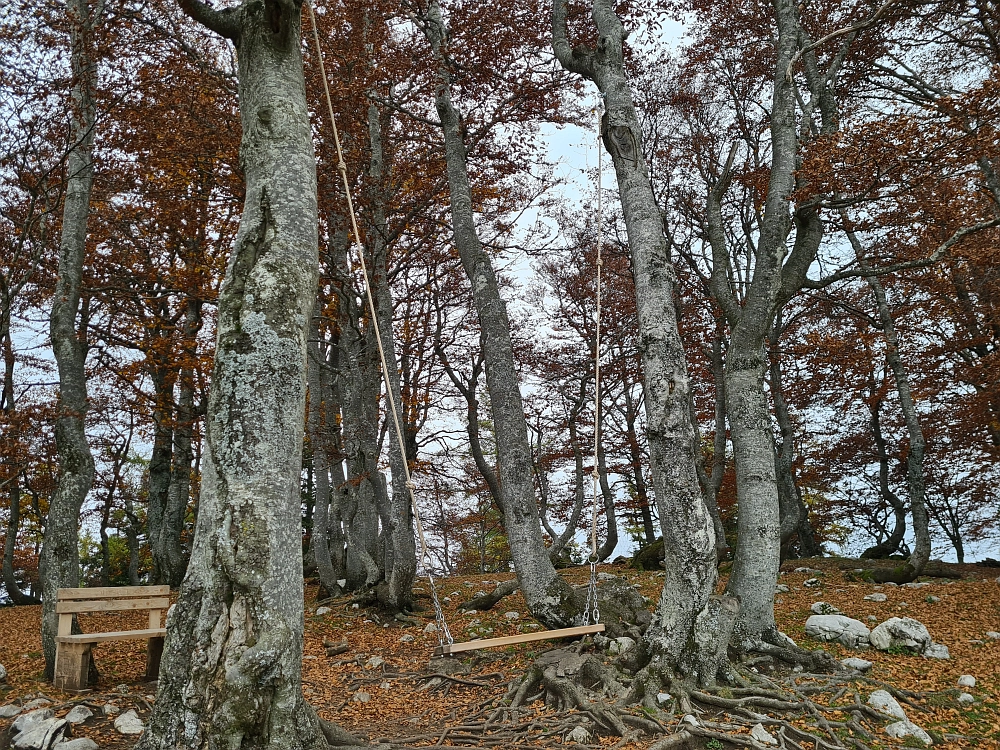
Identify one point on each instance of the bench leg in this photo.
(154, 650)
(72, 666)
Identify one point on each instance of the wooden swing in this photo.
(446, 643)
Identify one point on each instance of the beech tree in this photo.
(231, 671)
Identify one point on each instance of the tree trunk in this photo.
(320, 417)
(158, 482)
(60, 557)
(231, 672)
(891, 543)
(684, 608)
(548, 597)
(711, 483)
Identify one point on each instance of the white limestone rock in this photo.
(3, 673)
(78, 715)
(993, 634)
(662, 698)
(621, 645)
(762, 735)
(579, 735)
(859, 665)
(41, 735)
(110, 709)
(878, 596)
(26, 720)
(839, 628)
(323, 611)
(129, 723)
(822, 608)
(966, 699)
(937, 651)
(407, 638)
(80, 743)
(9, 711)
(901, 632)
(781, 589)
(812, 583)
(915, 585)
(883, 702)
(513, 616)
(37, 703)
(361, 697)
(374, 662)
(431, 627)
(900, 730)
(967, 681)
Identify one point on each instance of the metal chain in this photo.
(592, 611)
(444, 634)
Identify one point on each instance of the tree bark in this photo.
(60, 558)
(891, 543)
(320, 416)
(548, 597)
(231, 672)
(688, 533)
(158, 482)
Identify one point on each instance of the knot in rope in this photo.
(410, 485)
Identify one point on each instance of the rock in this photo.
(80, 743)
(620, 645)
(9, 711)
(762, 735)
(966, 699)
(110, 709)
(872, 618)
(447, 600)
(915, 585)
(3, 673)
(781, 589)
(662, 698)
(431, 627)
(852, 633)
(902, 632)
(129, 723)
(933, 599)
(41, 735)
(374, 663)
(27, 720)
(859, 665)
(323, 611)
(579, 735)
(515, 616)
(883, 702)
(806, 570)
(691, 720)
(967, 681)
(902, 729)
(812, 583)
(993, 634)
(878, 596)
(822, 608)
(407, 638)
(602, 576)
(385, 685)
(361, 697)
(36, 703)
(936, 651)
(78, 715)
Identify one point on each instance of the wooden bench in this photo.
(73, 651)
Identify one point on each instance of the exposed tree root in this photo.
(488, 601)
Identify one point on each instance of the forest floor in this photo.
(402, 697)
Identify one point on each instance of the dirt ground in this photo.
(406, 699)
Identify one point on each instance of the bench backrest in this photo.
(110, 599)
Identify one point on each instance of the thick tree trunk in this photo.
(158, 482)
(549, 598)
(684, 609)
(60, 557)
(231, 671)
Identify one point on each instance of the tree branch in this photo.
(225, 22)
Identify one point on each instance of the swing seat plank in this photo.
(508, 640)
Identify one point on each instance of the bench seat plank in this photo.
(112, 592)
(122, 635)
(111, 605)
(508, 640)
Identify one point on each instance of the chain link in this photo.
(592, 611)
(444, 634)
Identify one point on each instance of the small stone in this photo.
(342, 582)
(691, 720)
(512, 615)
(122, 689)
(480, 593)
(431, 627)
(883, 702)
(407, 638)
(781, 589)
(602, 576)
(447, 600)
(361, 697)
(806, 570)
(26, 721)
(822, 608)
(374, 662)
(967, 681)
(937, 651)
(129, 723)
(878, 596)
(532, 625)
(915, 585)
(812, 583)
(579, 735)
(467, 584)
(80, 743)
(933, 599)
(890, 584)
(993, 634)
(385, 685)
(621, 645)
(354, 606)
(762, 735)
(662, 698)
(323, 611)
(36, 703)
(78, 715)
(903, 729)
(859, 665)
(110, 709)
(41, 735)
(3, 673)
(9, 711)
(471, 612)
(966, 699)
(309, 658)
(872, 618)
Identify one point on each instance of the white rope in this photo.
(595, 474)
(359, 249)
